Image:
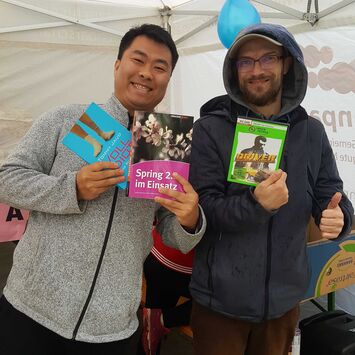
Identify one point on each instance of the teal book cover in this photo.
(97, 136)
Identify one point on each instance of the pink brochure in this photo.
(161, 146)
(147, 176)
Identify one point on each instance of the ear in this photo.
(287, 64)
(117, 64)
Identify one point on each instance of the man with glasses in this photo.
(250, 268)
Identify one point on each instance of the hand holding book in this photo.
(183, 204)
(94, 179)
(272, 193)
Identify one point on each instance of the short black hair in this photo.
(153, 32)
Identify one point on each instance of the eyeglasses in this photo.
(267, 61)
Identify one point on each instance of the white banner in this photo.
(330, 60)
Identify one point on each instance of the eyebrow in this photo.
(267, 53)
(143, 54)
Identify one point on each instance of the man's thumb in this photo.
(334, 202)
(276, 175)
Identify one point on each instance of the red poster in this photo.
(12, 223)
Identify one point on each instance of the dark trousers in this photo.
(215, 334)
(164, 287)
(21, 335)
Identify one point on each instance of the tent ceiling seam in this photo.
(63, 17)
(184, 3)
(64, 23)
(195, 12)
(197, 29)
(335, 7)
(286, 9)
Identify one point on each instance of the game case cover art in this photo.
(161, 145)
(257, 150)
(97, 136)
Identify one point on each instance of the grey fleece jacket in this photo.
(54, 264)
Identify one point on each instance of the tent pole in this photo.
(165, 14)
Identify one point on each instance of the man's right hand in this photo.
(94, 179)
(272, 193)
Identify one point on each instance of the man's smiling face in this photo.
(142, 75)
(261, 87)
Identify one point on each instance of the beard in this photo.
(257, 97)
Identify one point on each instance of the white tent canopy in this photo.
(59, 51)
(192, 23)
(54, 52)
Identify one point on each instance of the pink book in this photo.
(161, 145)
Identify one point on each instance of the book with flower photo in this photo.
(161, 145)
(257, 150)
(96, 136)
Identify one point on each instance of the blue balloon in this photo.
(234, 16)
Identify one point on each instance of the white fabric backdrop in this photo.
(330, 59)
(35, 78)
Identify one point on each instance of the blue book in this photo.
(97, 136)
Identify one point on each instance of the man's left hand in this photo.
(184, 204)
(332, 221)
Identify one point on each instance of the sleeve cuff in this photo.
(201, 223)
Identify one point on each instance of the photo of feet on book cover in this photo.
(161, 136)
(80, 132)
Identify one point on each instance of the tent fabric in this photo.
(193, 23)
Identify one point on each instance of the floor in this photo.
(176, 343)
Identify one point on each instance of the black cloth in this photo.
(164, 287)
(21, 335)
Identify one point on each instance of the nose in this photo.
(145, 73)
(257, 68)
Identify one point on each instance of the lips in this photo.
(258, 81)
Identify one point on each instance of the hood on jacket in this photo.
(294, 82)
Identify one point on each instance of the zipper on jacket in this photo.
(268, 270)
(98, 267)
(210, 277)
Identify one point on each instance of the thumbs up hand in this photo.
(332, 221)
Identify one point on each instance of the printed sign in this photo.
(12, 223)
(332, 265)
